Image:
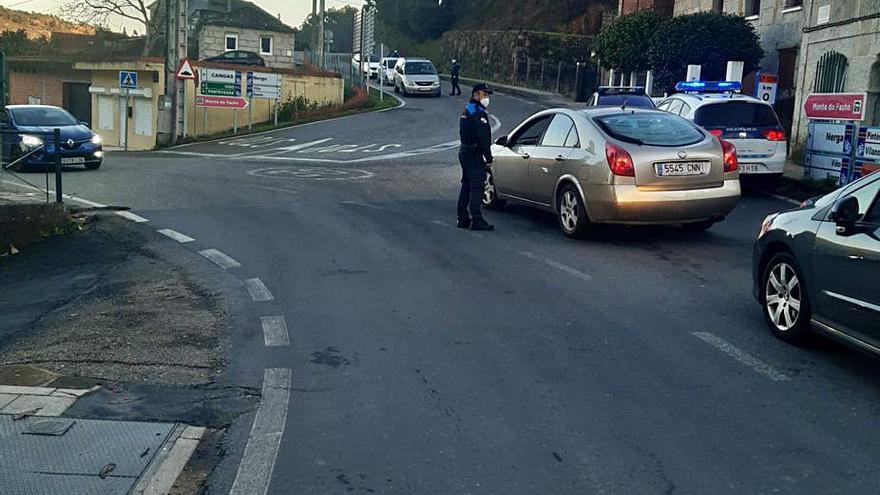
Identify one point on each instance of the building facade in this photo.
(661, 7)
(840, 53)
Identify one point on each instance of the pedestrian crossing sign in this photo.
(128, 79)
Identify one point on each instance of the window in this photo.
(266, 45)
(685, 109)
(674, 106)
(736, 114)
(573, 141)
(531, 134)
(867, 196)
(650, 128)
(753, 8)
(831, 73)
(231, 42)
(664, 105)
(558, 131)
(793, 3)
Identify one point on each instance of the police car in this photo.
(749, 123)
(630, 96)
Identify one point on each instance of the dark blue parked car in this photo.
(30, 123)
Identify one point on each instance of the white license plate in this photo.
(75, 159)
(749, 168)
(679, 169)
(426, 89)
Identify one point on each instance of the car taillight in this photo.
(774, 135)
(619, 161)
(729, 152)
(716, 132)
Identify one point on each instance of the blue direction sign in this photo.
(128, 79)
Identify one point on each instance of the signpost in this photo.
(127, 81)
(185, 71)
(767, 86)
(264, 85)
(835, 106)
(232, 102)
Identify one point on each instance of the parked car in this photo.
(386, 71)
(416, 76)
(749, 123)
(239, 57)
(607, 165)
(816, 268)
(629, 96)
(369, 67)
(28, 129)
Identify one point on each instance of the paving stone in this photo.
(15, 389)
(6, 399)
(49, 406)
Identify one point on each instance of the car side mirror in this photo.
(845, 213)
(84, 123)
(501, 141)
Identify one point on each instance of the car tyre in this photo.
(396, 89)
(785, 301)
(572, 214)
(490, 194)
(699, 226)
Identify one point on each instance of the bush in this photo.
(624, 44)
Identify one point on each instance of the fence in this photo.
(551, 75)
(43, 150)
(339, 63)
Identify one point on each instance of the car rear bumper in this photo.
(631, 205)
(756, 166)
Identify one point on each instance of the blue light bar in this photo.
(708, 86)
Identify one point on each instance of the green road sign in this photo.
(220, 89)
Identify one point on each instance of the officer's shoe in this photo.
(464, 223)
(482, 225)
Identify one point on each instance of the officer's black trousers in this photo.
(456, 89)
(473, 180)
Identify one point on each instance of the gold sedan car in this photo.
(615, 165)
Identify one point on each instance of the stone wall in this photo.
(523, 58)
(212, 42)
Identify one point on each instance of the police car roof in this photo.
(620, 90)
(718, 97)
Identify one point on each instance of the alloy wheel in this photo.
(489, 194)
(568, 211)
(783, 296)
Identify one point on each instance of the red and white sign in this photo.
(185, 70)
(765, 89)
(835, 106)
(233, 102)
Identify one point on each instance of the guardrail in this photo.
(16, 164)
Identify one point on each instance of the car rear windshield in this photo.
(650, 128)
(639, 101)
(736, 114)
(420, 68)
(42, 116)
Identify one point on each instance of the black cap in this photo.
(481, 87)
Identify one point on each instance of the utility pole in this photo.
(321, 35)
(175, 50)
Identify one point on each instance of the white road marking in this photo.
(177, 236)
(131, 216)
(221, 259)
(261, 452)
(741, 356)
(258, 290)
(365, 205)
(559, 266)
(297, 147)
(275, 331)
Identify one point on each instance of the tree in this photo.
(416, 19)
(706, 39)
(98, 12)
(624, 44)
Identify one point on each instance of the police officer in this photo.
(456, 73)
(475, 155)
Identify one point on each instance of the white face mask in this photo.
(485, 102)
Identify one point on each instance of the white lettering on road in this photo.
(220, 259)
(741, 356)
(275, 331)
(297, 147)
(559, 266)
(177, 236)
(261, 452)
(131, 216)
(258, 290)
(386, 146)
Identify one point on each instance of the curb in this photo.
(159, 478)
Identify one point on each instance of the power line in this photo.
(16, 4)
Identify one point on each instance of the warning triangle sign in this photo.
(185, 70)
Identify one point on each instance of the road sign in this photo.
(835, 106)
(263, 85)
(219, 89)
(220, 82)
(128, 79)
(767, 86)
(185, 70)
(233, 102)
(868, 146)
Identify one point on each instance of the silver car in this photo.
(613, 165)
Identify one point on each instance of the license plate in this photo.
(679, 169)
(749, 168)
(75, 159)
(425, 89)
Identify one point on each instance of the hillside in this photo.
(566, 16)
(38, 25)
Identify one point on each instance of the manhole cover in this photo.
(312, 173)
(54, 427)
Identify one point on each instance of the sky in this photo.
(293, 12)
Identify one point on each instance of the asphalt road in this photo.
(429, 360)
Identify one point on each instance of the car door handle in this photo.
(560, 158)
(525, 156)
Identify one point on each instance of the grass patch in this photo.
(23, 225)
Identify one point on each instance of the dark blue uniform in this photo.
(456, 74)
(475, 153)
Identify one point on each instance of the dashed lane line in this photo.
(258, 290)
(220, 259)
(261, 452)
(275, 331)
(559, 266)
(131, 216)
(742, 356)
(177, 236)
